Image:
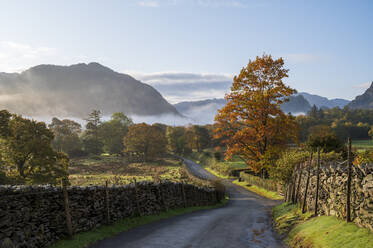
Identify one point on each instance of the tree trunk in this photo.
(307, 183)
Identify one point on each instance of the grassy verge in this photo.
(325, 231)
(221, 169)
(260, 191)
(87, 238)
(216, 173)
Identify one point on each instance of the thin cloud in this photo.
(363, 85)
(223, 3)
(18, 56)
(203, 3)
(15, 57)
(150, 4)
(185, 86)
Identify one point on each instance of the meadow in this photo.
(219, 167)
(96, 170)
(366, 144)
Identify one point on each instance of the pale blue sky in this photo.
(196, 45)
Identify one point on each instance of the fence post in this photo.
(348, 200)
(317, 181)
(67, 209)
(136, 199)
(163, 199)
(298, 186)
(183, 193)
(293, 185)
(107, 200)
(308, 181)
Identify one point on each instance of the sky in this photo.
(191, 49)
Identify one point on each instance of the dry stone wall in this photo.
(333, 192)
(34, 216)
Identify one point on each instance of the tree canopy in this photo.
(27, 150)
(147, 139)
(252, 122)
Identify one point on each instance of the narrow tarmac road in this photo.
(244, 222)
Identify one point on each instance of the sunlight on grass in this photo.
(260, 191)
(217, 174)
(323, 231)
(95, 170)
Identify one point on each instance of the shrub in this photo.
(217, 156)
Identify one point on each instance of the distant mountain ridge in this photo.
(323, 102)
(364, 101)
(73, 91)
(205, 110)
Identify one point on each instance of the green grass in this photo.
(260, 191)
(216, 173)
(95, 170)
(286, 216)
(362, 144)
(88, 238)
(323, 231)
(220, 169)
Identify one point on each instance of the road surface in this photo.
(244, 222)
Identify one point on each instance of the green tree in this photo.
(146, 139)
(4, 120)
(322, 136)
(198, 137)
(112, 132)
(175, 139)
(91, 141)
(66, 136)
(28, 148)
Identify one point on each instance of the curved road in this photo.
(244, 222)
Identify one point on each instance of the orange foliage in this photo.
(252, 122)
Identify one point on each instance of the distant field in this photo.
(96, 170)
(236, 163)
(362, 144)
(219, 168)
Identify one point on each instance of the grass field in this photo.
(324, 231)
(220, 168)
(260, 191)
(362, 144)
(96, 170)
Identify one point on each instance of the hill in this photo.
(323, 102)
(296, 104)
(364, 101)
(73, 91)
(204, 111)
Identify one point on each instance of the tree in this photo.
(111, 133)
(28, 148)
(175, 139)
(149, 140)
(252, 122)
(66, 136)
(321, 136)
(198, 137)
(370, 132)
(91, 141)
(4, 120)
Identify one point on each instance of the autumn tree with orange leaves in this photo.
(251, 124)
